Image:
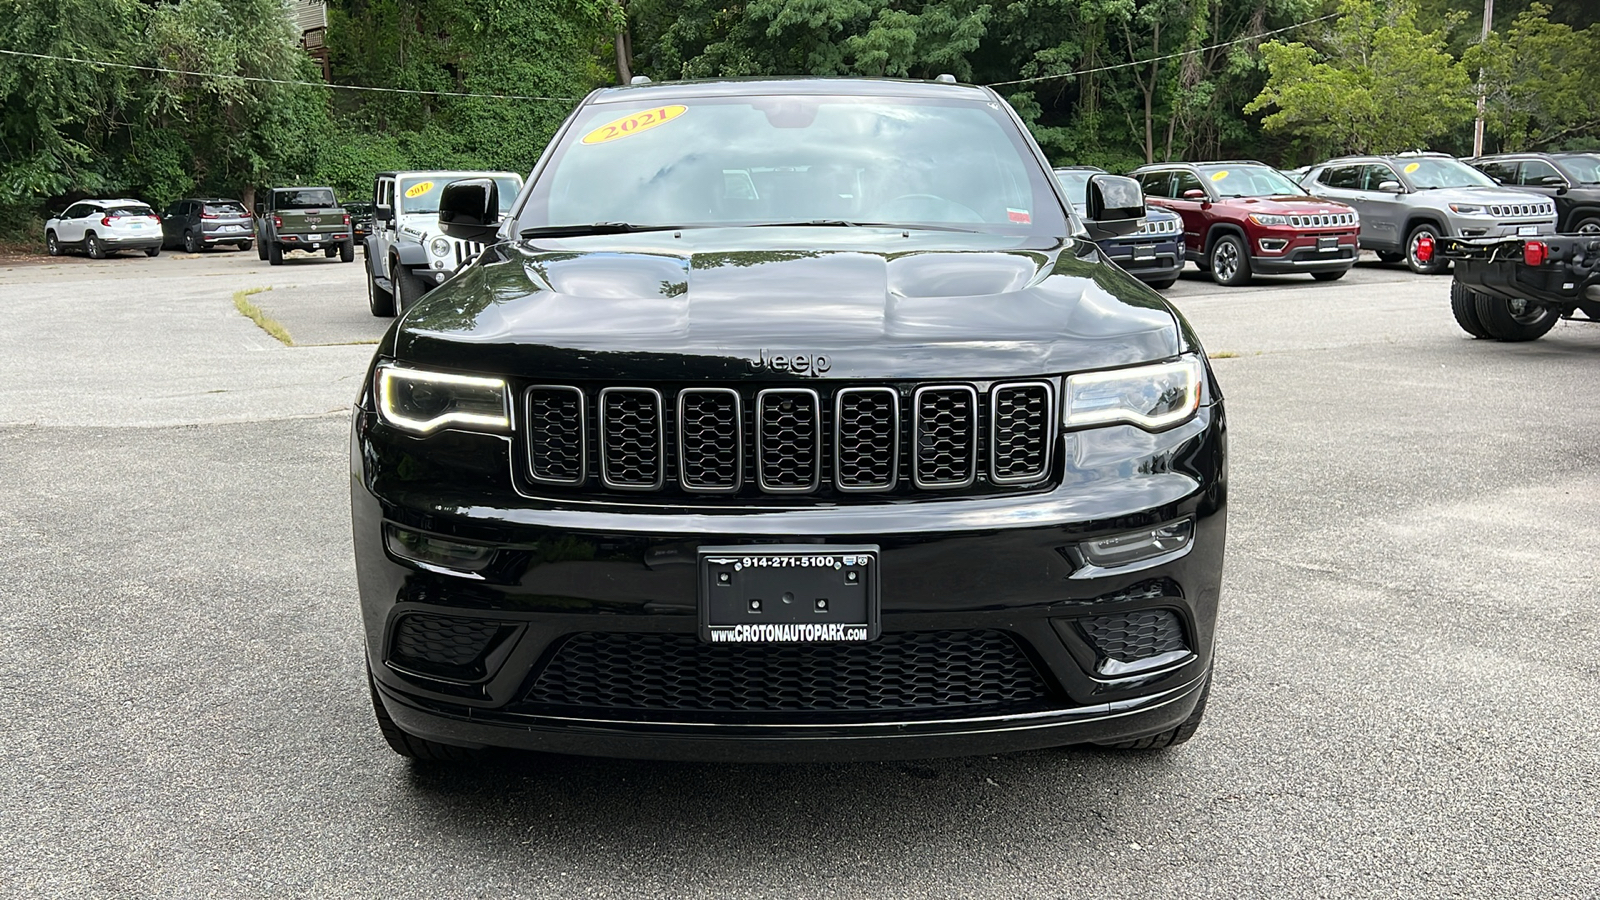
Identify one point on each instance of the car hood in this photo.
(1483, 195)
(720, 303)
(1287, 204)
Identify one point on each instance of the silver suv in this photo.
(407, 254)
(1411, 196)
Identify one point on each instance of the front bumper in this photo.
(998, 564)
(1147, 259)
(1285, 252)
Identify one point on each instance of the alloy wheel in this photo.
(1225, 261)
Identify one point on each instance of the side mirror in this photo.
(382, 212)
(469, 210)
(1194, 194)
(258, 207)
(1116, 206)
(1391, 187)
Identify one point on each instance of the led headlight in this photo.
(1152, 397)
(1467, 209)
(422, 401)
(1268, 219)
(439, 246)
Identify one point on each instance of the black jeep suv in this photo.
(790, 419)
(1572, 180)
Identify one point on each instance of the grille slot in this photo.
(900, 671)
(556, 445)
(710, 440)
(631, 451)
(444, 646)
(1138, 641)
(790, 440)
(866, 452)
(1021, 429)
(945, 436)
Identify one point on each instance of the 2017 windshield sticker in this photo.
(1218, 176)
(634, 123)
(418, 189)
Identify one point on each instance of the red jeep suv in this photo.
(1242, 218)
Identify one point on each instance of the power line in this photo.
(283, 81)
(1126, 65)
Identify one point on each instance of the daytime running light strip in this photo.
(1190, 368)
(426, 425)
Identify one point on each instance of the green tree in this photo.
(1541, 82)
(1378, 83)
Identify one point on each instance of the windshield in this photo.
(1075, 183)
(1249, 181)
(420, 196)
(1583, 169)
(310, 198)
(754, 160)
(1432, 172)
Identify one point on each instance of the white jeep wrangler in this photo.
(407, 254)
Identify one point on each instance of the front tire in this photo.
(379, 301)
(408, 288)
(1164, 283)
(1436, 263)
(1515, 320)
(1588, 226)
(191, 244)
(93, 247)
(1329, 276)
(52, 247)
(275, 254)
(1390, 256)
(1464, 305)
(409, 745)
(1230, 261)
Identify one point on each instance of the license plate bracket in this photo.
(1144, 252)
(789, 593)
(1327, 243)
(1527, 230)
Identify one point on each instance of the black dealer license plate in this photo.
(1327, 243)
(788, 594)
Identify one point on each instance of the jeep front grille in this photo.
(1522, 211)
(465, 251)
(829, 441)
(1323, 220)
(1157, 226)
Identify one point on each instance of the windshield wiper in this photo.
(539, 231)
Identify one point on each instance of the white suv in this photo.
(99, 227)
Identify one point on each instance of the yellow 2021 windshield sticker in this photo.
(1412, 167)
(634, 123)
(418, 189)
(1218, 176)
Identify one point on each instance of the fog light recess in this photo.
(437, 554)
(1135, 550)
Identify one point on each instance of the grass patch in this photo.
(241, 302)
(1223, 354)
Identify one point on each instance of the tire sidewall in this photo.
(190, 243)
(1590, 222)
(1241, 270)
(93, 247)
(52, 246)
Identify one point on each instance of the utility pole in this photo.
(1477, 127)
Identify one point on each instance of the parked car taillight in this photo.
(106, 220)
(206, 215)
(1534, 253)
(347, 218)
(277, 221)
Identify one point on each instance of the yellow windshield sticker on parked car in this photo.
(634, 123)
(418, 189)
(1412, 167)
(1218, 176)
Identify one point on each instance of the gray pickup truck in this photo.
(307, 219)
(1517, 289)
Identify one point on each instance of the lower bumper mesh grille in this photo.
(906, 671)
(442, 645)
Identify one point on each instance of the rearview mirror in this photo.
(1391, 187)
(469, 210)
(1116, 206)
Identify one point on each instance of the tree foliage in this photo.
(1375, 82)
(1541, 82)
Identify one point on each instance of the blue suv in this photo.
(1153, 254)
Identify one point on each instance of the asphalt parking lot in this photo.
(1407, 699)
